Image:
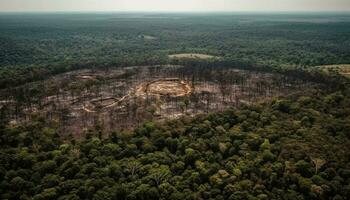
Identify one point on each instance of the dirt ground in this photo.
(173, 87)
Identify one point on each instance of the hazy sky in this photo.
(175, 5)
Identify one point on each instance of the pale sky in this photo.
(174, 5)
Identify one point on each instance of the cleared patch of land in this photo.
(147, 37)
(191, 56)
(172, 87)
(122, 98)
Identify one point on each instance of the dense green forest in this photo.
(286, 149)
(295, 147)
(33, 46)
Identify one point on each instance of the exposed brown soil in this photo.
(172, 87)
(86, 77)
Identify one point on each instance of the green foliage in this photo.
(295, 148)
(37, 46)
(271, 161)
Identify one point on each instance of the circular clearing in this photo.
(165, 87)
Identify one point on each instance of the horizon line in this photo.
(164, 11)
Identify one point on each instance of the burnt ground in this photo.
(121, 99)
